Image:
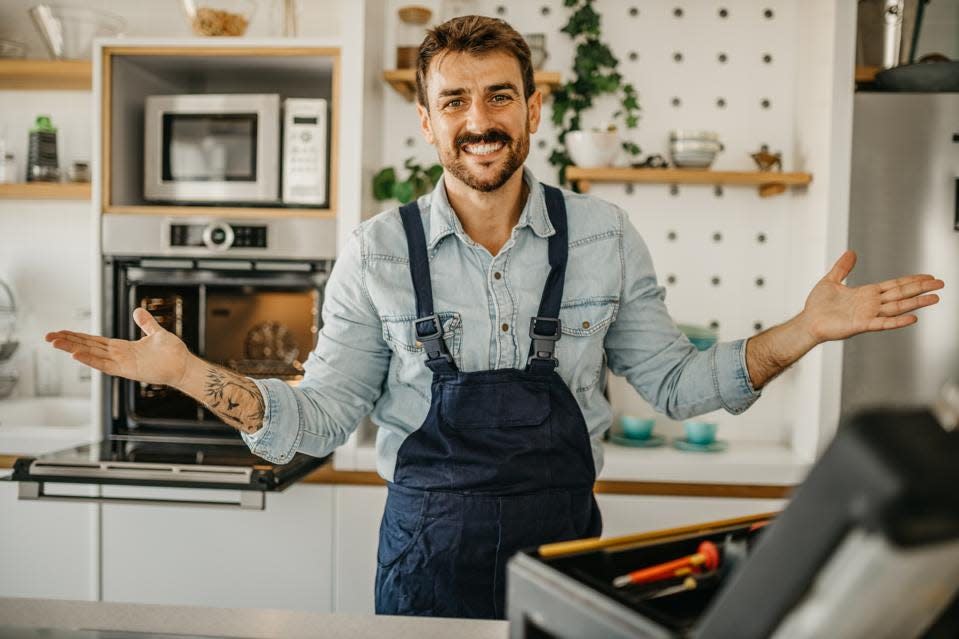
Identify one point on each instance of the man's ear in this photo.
(534, 106)
(425, 128)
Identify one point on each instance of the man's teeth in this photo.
(483, 149)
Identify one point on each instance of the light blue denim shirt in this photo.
(367, 360)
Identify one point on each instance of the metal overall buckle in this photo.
(544, 343)
(433, 340)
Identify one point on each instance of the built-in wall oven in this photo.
(245, 294)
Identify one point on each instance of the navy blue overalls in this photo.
(502, 461)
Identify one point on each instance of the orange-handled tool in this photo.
(705, 559)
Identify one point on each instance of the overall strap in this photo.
(427, 325)
(545, 329)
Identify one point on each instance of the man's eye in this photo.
(501, 97)
(454, 104)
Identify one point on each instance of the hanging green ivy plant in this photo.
(594, 74)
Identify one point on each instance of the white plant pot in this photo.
(592, 148)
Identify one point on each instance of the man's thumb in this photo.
(145, 321)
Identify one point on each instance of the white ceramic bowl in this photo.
(693, 134)
(708, 146)
(592, 148)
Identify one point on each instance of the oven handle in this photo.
(249, 499)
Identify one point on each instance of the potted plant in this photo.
(594, 74)
(419, 181)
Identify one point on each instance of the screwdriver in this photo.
(705, 558)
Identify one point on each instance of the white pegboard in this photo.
(729, 66)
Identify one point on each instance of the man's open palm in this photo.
(159, 357)
(836, 311)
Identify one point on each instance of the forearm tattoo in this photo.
(234, 399)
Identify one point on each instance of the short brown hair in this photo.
(475, 35)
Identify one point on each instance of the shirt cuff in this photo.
(731, 377)
(282, 429)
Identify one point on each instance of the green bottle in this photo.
(42, 165)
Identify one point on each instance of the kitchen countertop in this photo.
(234, 622)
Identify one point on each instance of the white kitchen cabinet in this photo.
(47, 549)
(280, 557)
(356, 534)
(627, 514)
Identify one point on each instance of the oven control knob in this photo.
(218, 236)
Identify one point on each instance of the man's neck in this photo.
(488, 218)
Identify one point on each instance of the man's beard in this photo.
(516, 152)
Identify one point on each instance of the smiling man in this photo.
(475, 326)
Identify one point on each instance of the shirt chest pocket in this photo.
(409, 356)
(580, 350)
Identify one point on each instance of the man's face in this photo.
(478, 119)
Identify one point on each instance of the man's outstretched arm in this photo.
(834, 311)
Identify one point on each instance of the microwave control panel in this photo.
(217, 236)
(304, 151)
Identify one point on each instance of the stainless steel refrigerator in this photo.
(904, 218)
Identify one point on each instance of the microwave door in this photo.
(161, 464)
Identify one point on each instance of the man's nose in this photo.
(478, 117)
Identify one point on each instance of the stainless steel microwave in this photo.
(235, 149)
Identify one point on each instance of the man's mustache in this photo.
(488, 137)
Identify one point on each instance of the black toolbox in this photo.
(867, 547)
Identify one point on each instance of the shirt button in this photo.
(497, 275)
(585, 324)
(505, 327)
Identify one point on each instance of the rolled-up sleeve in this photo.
(343, 376)
(645, 346)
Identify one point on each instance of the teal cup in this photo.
(701, 433)
(636, 427)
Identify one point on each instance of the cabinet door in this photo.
(280, 557)
(358, 513)
(47, 549)
(627, 514)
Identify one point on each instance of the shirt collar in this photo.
(443, 220)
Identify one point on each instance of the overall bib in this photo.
(502, 461)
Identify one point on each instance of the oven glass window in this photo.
(209, 147)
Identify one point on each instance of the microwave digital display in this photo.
(209, 147)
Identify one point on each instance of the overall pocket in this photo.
(401, 526)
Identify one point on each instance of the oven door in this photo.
(241, 477)
(212, 148)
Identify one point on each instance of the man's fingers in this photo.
(108, 366)
(901, 281)
(74, 342)
(842, 267)
(145, 321)
(911, 288)
(889, 323)
(892, 309)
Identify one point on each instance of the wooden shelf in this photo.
(46, 75)
(769, 182)
(404, 81)
(45, 191)
(866, 74)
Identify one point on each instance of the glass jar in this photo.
(8, 169)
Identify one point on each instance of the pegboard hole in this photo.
(541, 144)
(721, 103)
(501, 10)
(714, 325)
(761, 238)
(765, 103)
(678, 12)
(715, 280)
(724, 13)
(633, 11)
(677, 56)
(760, 282)
(544, 10)
(630, 188)
(633, 56)
(674, 189)
(671, 236)
(676, 102)
(722, 57)
(768, 13)
(757, 326)
(409, 141)
(767, 58)
(718, 190)
(671, 279)
(717, 237)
